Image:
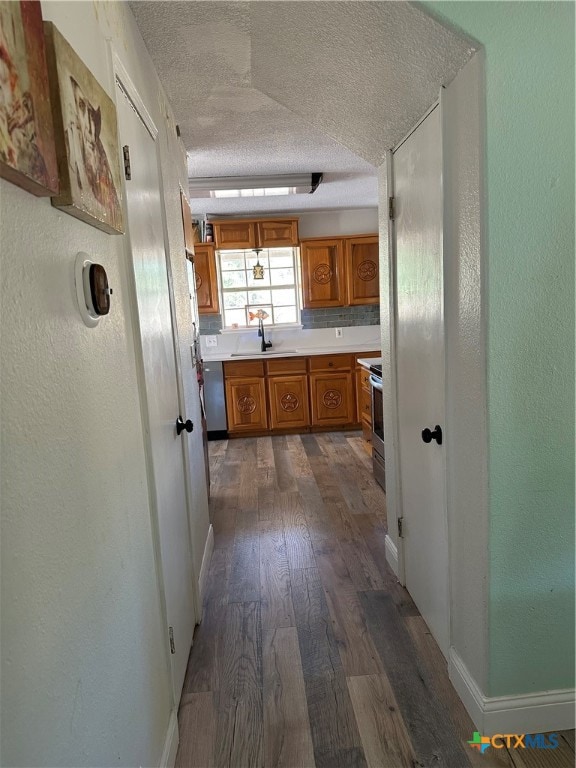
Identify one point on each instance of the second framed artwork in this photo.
(86, 135)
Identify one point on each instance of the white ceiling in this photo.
(284, 87)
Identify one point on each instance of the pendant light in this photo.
(258, 269)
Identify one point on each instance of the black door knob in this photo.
(429, 435)
(183, 425)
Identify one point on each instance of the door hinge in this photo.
(127, 169)
(391, 211)
(171, 636)
(401, 527)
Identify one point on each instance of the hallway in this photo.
(310, 653)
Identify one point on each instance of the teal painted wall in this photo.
(530, 198)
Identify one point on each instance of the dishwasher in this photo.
(215, 401)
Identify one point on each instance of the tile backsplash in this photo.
(210, 324)
(333, 317)
(330, 317)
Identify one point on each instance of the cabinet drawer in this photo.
(244, 368)
(331, 363)
(286, 365)
(365, 404)
(364, 379)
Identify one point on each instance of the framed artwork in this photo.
(86, 135)
(27, 152)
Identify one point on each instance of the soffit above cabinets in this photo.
(287, 87)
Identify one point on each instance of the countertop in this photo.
(366, 362)
(292, 352)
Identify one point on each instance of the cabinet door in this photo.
(246, 405)
(235, 235)
(288, 398)
(332, 399)
(323, 273)
(362, 270)
(277, 233)
(206, 281)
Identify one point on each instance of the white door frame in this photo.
(123, 80)
(396, 552)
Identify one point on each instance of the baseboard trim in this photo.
(391, 554)
(171, 742)
(525, 713)
(204, 568)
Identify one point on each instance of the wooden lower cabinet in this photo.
(364, 402)
(288, 401)
(332, 399)
(246, 404)
(302, 393)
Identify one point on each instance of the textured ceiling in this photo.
(282, 87)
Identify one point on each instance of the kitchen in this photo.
(301, 379)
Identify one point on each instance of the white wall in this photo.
(85, 679)
(346, 222)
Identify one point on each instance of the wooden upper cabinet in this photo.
(206, 280)
(245, 234)
(234, 235)
(279, 233)
(361, 257)
(323, 273)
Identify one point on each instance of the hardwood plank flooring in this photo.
(287, 737)
(197, 715)
(382, 729)
(310, 653)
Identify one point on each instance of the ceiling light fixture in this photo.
(255, 186)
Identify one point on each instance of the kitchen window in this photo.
(243, 295)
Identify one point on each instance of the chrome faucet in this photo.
(265, 344)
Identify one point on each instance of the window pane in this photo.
(234, 316)
(259, 297)
(230, 262)
(281, 260)
(283, 296)
(235, 300)
(252, 260)
(233, 279)
(285, 314)
(282, 276)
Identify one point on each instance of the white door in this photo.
(417, 164)
(159, 390)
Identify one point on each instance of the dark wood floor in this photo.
(310, 653)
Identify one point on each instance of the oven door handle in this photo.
(376, 382)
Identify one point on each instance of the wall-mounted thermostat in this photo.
(92, 289)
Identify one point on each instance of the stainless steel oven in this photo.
(377, 425)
